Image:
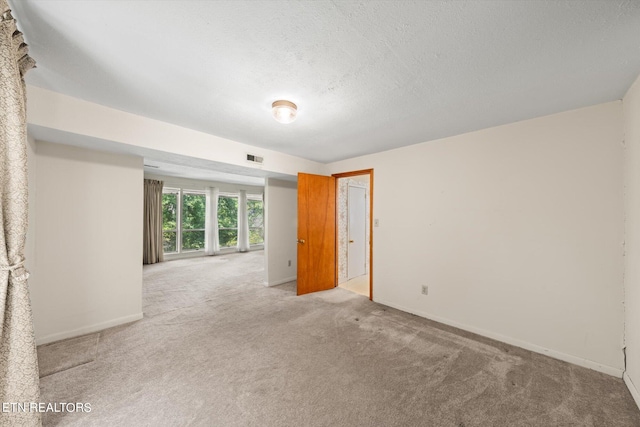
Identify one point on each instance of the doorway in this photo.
(354, 232)
(322, 255)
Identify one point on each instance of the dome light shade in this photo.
(284, 111)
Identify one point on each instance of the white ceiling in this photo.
(367, 75)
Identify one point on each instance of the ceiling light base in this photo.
(284, 111)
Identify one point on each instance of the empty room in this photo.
(320, 213)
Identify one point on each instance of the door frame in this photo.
(347, 175)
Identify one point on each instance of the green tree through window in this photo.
(228, 221)
(184, 217)
(169, 220)
(256, 221)
(183, 220)
(193, 220)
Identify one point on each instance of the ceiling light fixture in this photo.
(284, 111)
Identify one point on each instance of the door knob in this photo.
(350, 241)
(301, 241)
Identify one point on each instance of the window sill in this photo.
(187, 254)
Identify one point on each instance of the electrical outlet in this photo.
(289, 263)
(425, 290)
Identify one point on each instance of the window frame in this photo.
(184, 191)
(179, 230)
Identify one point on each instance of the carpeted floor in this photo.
(217, 348)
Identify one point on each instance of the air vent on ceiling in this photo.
(255, 159)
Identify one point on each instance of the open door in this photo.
(316, 233)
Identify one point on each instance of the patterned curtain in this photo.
(152, 229)
(18, 359)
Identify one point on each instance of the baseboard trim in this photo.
(88, 329)
(281, 281)
(585, 363)
(632, 388)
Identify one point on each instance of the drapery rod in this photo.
(7, 16)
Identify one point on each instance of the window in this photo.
(228, 220)
(183, 217)
(170, 212)
(256, 219)
(193, 217)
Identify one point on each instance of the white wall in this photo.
(281, 228)
(87, 274)
(631, 107)
(58, 112)
(517, 230)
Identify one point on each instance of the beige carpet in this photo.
(216, 348)
(359, 285)
(63, 355)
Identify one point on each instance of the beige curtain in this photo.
(243, 223)
(18, 360)
(152, 252)
(212, 241)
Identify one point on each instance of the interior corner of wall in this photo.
(632, 388)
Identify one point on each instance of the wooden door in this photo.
(316, 233)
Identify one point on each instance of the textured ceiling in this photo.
(367, 75)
